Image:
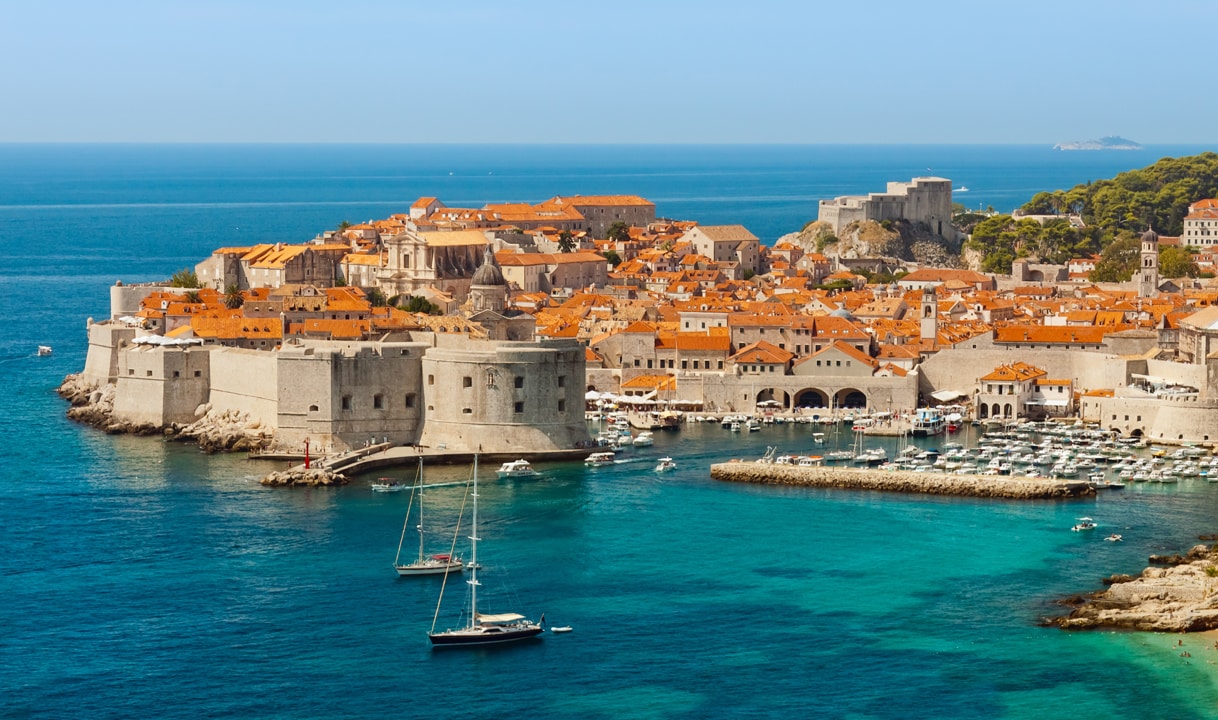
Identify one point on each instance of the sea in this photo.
(143, 578)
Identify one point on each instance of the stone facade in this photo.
(340, 395)
(926, 200)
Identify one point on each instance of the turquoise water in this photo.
(141, 578)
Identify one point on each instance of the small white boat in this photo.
(44, 350)
(517, 469)
(561, 629)
(644, 438)
(599, 459)
(388, 485)
(1084, 523)
(665, 464)
(1114, 538)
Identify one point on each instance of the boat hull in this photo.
(429, 569)
(487, 635)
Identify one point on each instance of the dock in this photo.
(902, 481)
(385, 455)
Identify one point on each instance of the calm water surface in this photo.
(141, 578)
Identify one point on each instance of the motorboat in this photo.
(44, 350)
(753, 425)
(644, 438)
(517, 469)
(561, 629)
(1084, 523)
(928, 422)
(665, 464)
(600, 459)
(1113, 538)
(388, 485)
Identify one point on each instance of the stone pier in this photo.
(985, 486)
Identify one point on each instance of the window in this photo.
(378, 402)
(176, 373)
(720, 364)
(346, 402)
(684, 364)
(491, 377)
(198, 373)
(467, 382)
(313, 408)
(410, 400)
(562, 406)
(148, 373)
(519, 382)
(431, 379)
(130, 371)
(519, 408)
(466, 411)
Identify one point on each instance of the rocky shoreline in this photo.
(1178, 593)
(214, 430)
(313, 477)
(986, 486)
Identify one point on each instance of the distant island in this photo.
(1112, 142)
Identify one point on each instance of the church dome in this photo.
(488, 273)
(1150, 236)
(842, 312)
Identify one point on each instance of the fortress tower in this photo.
(1148, 271)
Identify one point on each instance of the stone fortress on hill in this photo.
(283, 344)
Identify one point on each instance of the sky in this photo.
(629, 71)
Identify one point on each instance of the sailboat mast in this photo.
(420, 483)
(473, 563)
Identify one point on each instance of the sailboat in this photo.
(425, 565)
(482, 628)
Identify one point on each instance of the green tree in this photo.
(417, 304)
(192, 296)
(233, 298)
(1176, 262)
(377, 298)
(343, 225)
(612, 258)
(618, 231)
(184, 278)
(566, 241)
(1119, 259)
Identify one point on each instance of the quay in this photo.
(902, 481)
(387, 455)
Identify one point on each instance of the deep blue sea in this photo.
(145, 579)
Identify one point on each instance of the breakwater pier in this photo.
(985, 486)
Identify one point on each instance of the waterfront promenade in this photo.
(386, 455)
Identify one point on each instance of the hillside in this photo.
(897, 239)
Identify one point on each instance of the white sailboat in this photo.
(482, 628)
(425, 565)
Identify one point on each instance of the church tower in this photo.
(1148, 272)
(930, 315)
(488, 288)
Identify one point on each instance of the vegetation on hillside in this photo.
(1157, 196)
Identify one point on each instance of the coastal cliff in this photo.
(897, 239)
(1178, 598)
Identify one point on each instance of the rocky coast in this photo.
(1175, 594)
(986, 486)
(213, 430)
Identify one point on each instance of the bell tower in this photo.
(930, 315)
(1148, 271)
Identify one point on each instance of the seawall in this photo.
(985, 486)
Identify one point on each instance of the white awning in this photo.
(947, 395)
(500, 618)
(1047, 403)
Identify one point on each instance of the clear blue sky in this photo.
(980, 71)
